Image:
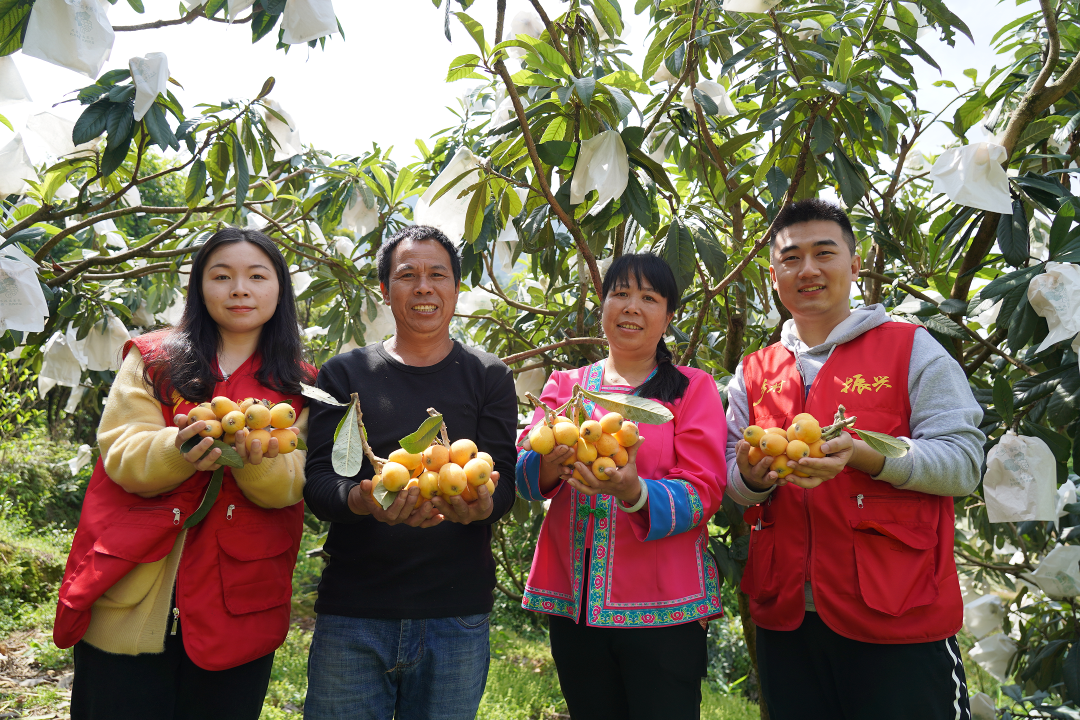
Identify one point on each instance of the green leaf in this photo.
(553, 152)
(384, 497)
(842, 64)
(195, 187)
(229, 456)
(823, 135)
(158, 127)
(627, 80)
(679, 253)
(1012, 235)
(887, 445)
(710, 252)
(347, 456)
(4, 121)
(91, 123)
(1059, 444)
(476, 30)
(852, 186)
(242, 177)
(421, 439)
(521, 510)
(1022, 325)
(654, 169)
(632, 136)
(300, 444)
(212, 490)
(638, 200)
(1003, 399)
(708, 105)
(633, 408)
(585, 87)
(1070, 672)
(321, 395)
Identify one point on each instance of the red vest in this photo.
(879, 560)
(234, 584)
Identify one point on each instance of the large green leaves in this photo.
(347, 456)
(418, 441)
(631, 407)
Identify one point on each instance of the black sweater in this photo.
(382, 571)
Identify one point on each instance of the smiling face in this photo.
(240, 288)
(422, 292)
(812, 269)
(635, 317)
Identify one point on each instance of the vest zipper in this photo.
(175, 620)
(858, 498)
(228, 514)
(176, 516)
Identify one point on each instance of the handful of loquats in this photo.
(447, 470)
(263, 420)
(803, 438)
(599, 443)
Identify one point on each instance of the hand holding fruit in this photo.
(601, 476)
(800, 454)
(405, 510)
(198, 456)
(601, 445)
(460, 509)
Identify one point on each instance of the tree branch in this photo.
(537, 351)
(195, 13)
(496, 289)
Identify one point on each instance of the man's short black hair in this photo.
(808, 211)
(415, 232)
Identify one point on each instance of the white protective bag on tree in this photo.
(1021, 480)
(12, 87)
(972, 176)
(104, 342)
(809, 29)
(449, 211)
(715, 92)
(470, 301)
(1055, 295)
(287, 134)
(22, 302)
(75, 34)
(358, 216)
(82, 455)
(344, 246)
(530, 381)
(15, 167)
(238, 6)
(982, 707)
(301, 281)
(528, 23)
(983, 615)
(750, 6)
(1066, 495)
(1058, 575)
(151, 77)
(73, 401)
(993, 654)
(61, 365)
(307, 20)
(382, 326)
(1076, 349)
(602, 165)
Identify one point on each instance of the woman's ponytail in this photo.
(667, 383)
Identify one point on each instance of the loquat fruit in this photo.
(488, 459)
(462, 451)
(586, 451)
(394, 476)
(233, 421)
(815, 449)
(452, 480)
(411, 461)
(777, 431)
(542, 439)
(611, 423)
(781, 466)
(808, 430)
(627, 436)
(201, 413)
(257, 417)
(435, 456)
(797, 450)
(800, 417)
(282, 415)
(469, 494)
(222, 406)
(477, 471)
(429, 484)
(753, 435)
(566, 433)
(263, 436)
(212, 429)
(228, 438)
(773, 444)
(245, 404)
(286, 440)
(607, 445)
(603, 467)
(590, 431)
(755, 456)
(791, 433)
(621, 457)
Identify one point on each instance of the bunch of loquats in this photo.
(442, 469)
(262, 419)
(803, 438)
(600, 444)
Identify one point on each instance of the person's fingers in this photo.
(190, 431)
(838, 444)
(271, 450)
(495, 476)
(586, 472)
(526, 445)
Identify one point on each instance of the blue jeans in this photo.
(372, 669)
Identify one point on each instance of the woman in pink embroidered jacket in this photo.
(622, 566)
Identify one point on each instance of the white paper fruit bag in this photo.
(75, 34)
(993, 654)
(1055, 295)
(1021, 480)
(22, 302)
(151, 77)
(983, 615)
(972, 175)
(602, 165)
(449, 211)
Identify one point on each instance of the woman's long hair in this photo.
(185, 363)
(667, 383)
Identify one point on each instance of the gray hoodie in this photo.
(946, 444)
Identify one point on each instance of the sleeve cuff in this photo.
(738, 491)
(897, 471)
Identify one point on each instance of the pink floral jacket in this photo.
(649, 568)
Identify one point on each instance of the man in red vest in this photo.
(850, 576)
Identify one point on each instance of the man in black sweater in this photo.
(404, 600)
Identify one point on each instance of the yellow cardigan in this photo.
(139, 454)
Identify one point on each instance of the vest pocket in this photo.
(896, 564)
(255, 574)
(758, 580)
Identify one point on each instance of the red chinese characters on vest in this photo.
(234, 584)
(879, 560)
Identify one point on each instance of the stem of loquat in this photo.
(376, 461)
(442, 428)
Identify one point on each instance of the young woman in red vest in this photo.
(622, 566)
(177, 591)
(850, 577)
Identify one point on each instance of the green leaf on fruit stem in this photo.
(321, 395)
(384, 497)
(887, 445)
(633, 408)
(348, 453)
(300, 444)
(1003, 399)
(419, 440)
(209, 497)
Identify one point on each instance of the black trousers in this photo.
(814, 673)
(166, 686)
(629, 674)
